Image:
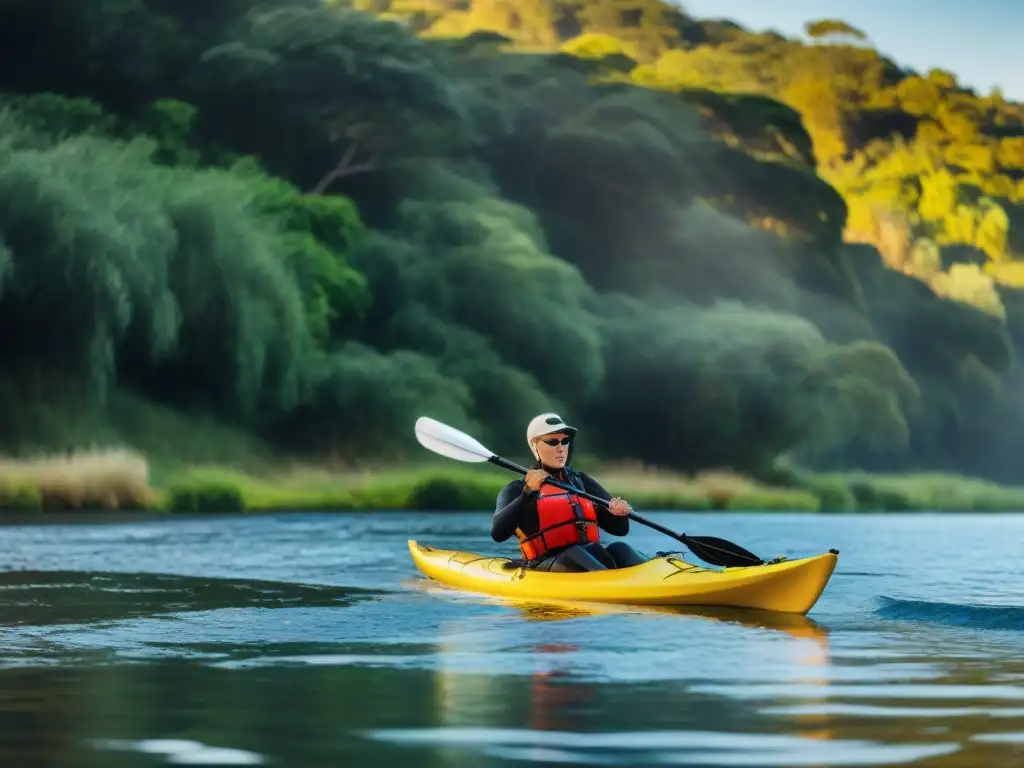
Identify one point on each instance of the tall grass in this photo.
(932, 491)
(108, 479)
(721, 489)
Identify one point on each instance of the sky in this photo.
(980, 41)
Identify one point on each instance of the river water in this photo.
(310, 640)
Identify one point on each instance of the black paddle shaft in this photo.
(710, 548)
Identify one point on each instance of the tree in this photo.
(326, 93)
(832, 27)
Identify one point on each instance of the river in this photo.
(308, 641)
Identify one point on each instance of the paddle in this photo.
(450, 442)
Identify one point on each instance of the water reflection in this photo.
(318, 707)
(790, 623)
(565, 706)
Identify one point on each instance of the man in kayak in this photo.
(559, 531)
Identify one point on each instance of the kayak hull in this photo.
(790, 586)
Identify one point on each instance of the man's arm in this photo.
(508, 510)
(615, 525)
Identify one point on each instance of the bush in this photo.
(20, 499)
(447, 492)
(772, 500)
(205, 497)
(834, 494)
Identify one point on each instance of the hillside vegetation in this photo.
(310, 223)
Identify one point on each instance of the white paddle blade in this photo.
(448, 441)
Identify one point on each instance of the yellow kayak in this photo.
(789, 586)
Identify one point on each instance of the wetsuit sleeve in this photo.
(512, 503)
(617, 526)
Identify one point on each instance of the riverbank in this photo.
(121, 480)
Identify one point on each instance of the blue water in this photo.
(310, 640)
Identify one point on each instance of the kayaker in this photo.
(559, 531)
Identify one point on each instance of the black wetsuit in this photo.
(514, 509)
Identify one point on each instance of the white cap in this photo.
(546, 424)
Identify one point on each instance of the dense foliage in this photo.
(709, 247)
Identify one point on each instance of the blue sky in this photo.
(980, 41)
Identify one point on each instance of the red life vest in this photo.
(565, 519)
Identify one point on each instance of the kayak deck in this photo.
(789, 586)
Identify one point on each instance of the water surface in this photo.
(310, 640)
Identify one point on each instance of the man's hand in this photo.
(619, 507)
(534, 478)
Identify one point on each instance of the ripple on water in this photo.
(662, 747)
(975, 616)
(888, 691)
(1000, 738)
(876, 710)
(182, 751)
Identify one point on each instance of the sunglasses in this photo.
(554, 441)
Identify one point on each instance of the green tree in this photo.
(327, 93)
(830, 27)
